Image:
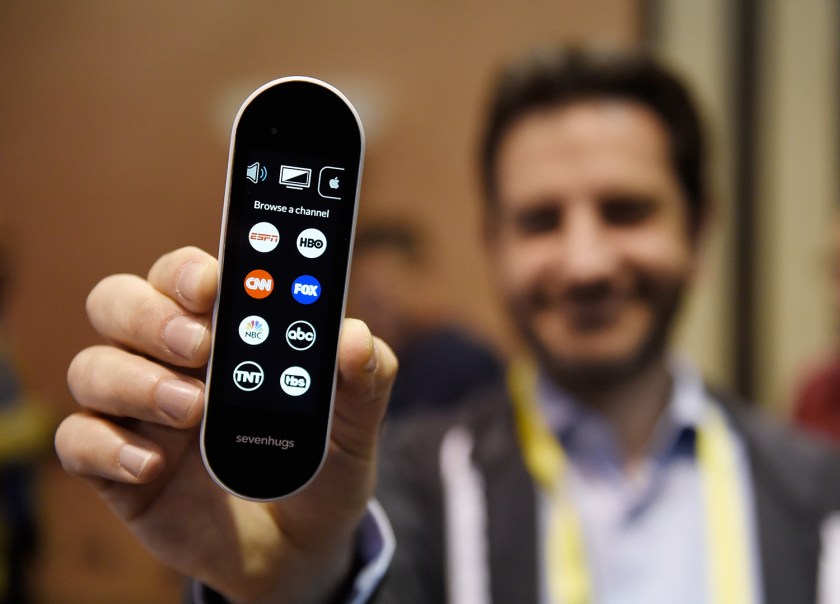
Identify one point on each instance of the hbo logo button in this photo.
(311, 243)
(300, 335)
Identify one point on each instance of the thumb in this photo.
(366, 370)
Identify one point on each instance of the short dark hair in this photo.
(563, 76)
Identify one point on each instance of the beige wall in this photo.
(693, 39)
(797, 193)
(796, 183)
(114, 123)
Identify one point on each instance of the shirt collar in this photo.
(579, 428)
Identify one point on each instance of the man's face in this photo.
(590, 242)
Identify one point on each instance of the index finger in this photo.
(189, 276)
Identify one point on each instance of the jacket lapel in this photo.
(792, 491)
(511, 521)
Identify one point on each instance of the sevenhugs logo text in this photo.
(266, 440)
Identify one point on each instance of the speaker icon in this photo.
(256, 173)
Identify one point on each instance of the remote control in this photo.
(293, 179)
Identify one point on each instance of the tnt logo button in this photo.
(295, 381)
(248, 376)
(306, 289)
(311, 243)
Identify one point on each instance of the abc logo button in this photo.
(311, 243)
(264, 237)
(300, 335)
(306, 289)
(248, 376)
(295, 381)
(253, 330)
(258, 284)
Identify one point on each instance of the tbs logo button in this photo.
(258, 284)
(248, 376)
(300, 335)
(306, 289)
(253, 330)
(295, 381)
(311, 243)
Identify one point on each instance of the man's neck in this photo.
(632, 408)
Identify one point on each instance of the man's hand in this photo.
(136, 441)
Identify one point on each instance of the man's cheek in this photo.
(516, 287)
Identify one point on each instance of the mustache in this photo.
(582, 294)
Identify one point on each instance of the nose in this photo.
(587, 253)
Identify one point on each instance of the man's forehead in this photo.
(599, 139)
(609, 120)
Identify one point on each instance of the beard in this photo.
(578, 374)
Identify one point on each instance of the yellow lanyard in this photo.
(726, 528)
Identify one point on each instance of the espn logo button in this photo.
(264, 237)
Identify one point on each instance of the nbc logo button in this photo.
(253, 330)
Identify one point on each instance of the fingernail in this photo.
(183, 336)
(176, 398)
(134, 459)
(373, 361)
(189, 279)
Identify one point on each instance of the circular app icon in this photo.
(258, 284)
(253, 330)
(248, 376)
(306, 289)
(264, 237)
(311, 243)
(300, 335)
(295, 381)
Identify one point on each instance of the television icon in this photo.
(293, 177)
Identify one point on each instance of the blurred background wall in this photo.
(768, 75)
(114, 126)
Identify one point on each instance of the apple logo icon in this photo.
(329, 182)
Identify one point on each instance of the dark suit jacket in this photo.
(796, 484)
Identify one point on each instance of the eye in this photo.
(538, 220)
(627, 210)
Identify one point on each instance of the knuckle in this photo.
(91, 372)
(86, 446)
(92, 302)
(147, 322)
(65, 444)
(125, 392)
(59, 438)
(77, 373)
